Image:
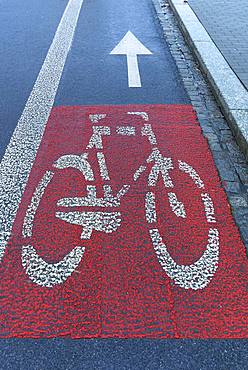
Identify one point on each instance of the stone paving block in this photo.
(226, 171)
(235, 152)
(227, 24)
(229, 88)
(242, 171)
(241, 116)
(238, 201)
(232, 187)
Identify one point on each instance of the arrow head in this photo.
(130, 45)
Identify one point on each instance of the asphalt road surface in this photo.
(116, 240)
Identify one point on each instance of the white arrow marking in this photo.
(131, 47)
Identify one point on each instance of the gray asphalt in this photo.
(115, 354)
(92, 76)
(27, 29)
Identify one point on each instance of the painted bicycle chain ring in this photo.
(124, 230)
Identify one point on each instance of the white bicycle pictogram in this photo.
(193, 276)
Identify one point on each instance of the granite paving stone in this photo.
(227, 24)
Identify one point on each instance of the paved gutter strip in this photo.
(229, 91)
(230, 161)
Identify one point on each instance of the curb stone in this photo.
(227, 88)
(229, 160)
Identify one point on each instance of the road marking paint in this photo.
(147, 131)
(102, 165)
(79, 162)
(21, 151)
(150, 205)
(138, 173)
(96, 138)
(195, 276)
(176, 206)
(209, 208)
(184, 167)
(133, 71)
(107, 222)
(34, 204)
(131, 47)
(125, 130)
(199, 274)
(91, 199)
(162, 165)
(144, 115)
(50, 274)
(127, 269)
(95, 118)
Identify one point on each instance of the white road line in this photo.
(185, 167)
(126, 130)
(50, 274)
(195, 276)
(133, 71)
(138, 173)
(21, 151)
(176, 206)
(150, 206)
(103, 166)
(27, 229)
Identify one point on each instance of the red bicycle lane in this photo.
(124, 230)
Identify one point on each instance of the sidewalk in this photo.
(227, 24)
(217, 31)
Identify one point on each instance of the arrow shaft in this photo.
(133, 71)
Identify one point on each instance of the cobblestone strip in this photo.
(230, 161)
